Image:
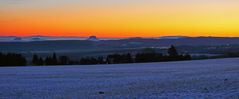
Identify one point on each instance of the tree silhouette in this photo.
(54, 59)
(146, 55)
(40, 61)
(51, 60)
(172, 51)
(64, 60)
(35, 60)
(12, 59)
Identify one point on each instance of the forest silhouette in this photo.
(146, 55)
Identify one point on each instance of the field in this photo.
(216, 78)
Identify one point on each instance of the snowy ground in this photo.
(218, 78)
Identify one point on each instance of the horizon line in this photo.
(118, 37)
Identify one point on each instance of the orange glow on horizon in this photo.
(143, 19)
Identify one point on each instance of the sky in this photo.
(119, 18)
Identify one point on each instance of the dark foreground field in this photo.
(217, 78)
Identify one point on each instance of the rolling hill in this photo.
(217, 78)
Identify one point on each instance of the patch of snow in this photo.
(216, 78)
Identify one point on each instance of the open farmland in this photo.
(216, 78)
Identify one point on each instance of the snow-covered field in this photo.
(217, 78)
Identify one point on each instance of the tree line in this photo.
(52, 60)
(12, 59)
(147, 55)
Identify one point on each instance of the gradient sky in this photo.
(119, 18)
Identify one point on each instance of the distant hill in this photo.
(53, 45)
(38, 38)
(93, 38)
(191, 41)
(173, 37)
